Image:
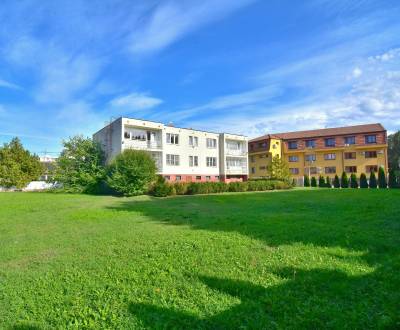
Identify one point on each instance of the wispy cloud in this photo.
(7, 84)
(136, 101)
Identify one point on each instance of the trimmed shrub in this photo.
(306, 181)
(363, 181)
(372, 181)
(321, 181)
(344, 182)
(336, 182)
(328, 183)
(353, 181)
(294, 183)
(393, 179)
(382, 178)
(237, 186)
(180, 188)
(313, 182)
(162, 188)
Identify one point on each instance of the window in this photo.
(252, 159)
(193, 161)
(312, 170)
(167, 177)
(193, 141)
(293, 159)
(350, 169)
(370, 139)
(127, 135)
(310, 143)
(262, 144)
(330, 142)
(311, 158)
(371, 168)
(263, 168)
(350, 155)
(330, 156)
(330, 170)
(253, 170)
(235, 162)
(211, 143)
(198, 177)
(263, 156)
(178, 178)
(292, 144)
(172, 138)
(350, 140)
(173, 160)
(208, 178)
(211, 161)
(371, 154)
(217, 177)
(294, 171)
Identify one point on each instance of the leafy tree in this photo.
(313, 182)
(80, 167)
(279, 169)
(372, 180)
(344, 182)
(394, 151)
(363, 181)
(336, 182)
(18, 166)
(321, 181)
(393, 179)
(328, 182)
(306, 181)
(131, 172)
(353, 181)
(382, 178)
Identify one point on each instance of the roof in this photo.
(347, 130)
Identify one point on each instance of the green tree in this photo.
(306, 181)
(80, 167)
(279, 169)
(321, 181)
(18, 166)
(313, 182)
(328, 182)
(363, 181)
(382, 178)
(394, 151)
(336, 182)
(393, 179)
(372, 180)
(131, 172)
(344, 182)
(353, 181)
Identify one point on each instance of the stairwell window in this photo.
(172, 138)
(211, 161)
(172, 160)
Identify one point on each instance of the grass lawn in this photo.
(289, 259)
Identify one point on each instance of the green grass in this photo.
(295, 259)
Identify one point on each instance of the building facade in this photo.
(328, 152)
(180, 154)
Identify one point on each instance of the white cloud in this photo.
(136, 101)
(7, 84)
(357, 72)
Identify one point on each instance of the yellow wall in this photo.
(261, 160)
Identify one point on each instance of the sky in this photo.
(249, 67)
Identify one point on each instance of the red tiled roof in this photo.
(347, 130)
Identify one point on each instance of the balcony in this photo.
(236, 152)
(142, 144)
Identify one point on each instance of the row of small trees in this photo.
(345, 182)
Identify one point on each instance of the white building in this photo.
(181, 154)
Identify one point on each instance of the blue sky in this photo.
(243, 66)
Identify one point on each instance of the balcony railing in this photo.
(236, 152)
(142, 144)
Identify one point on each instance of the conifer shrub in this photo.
(393, 180)
(313, 182)
(344, 182)
(306, 181)
(363, 181)
(328, 183)
(336, 182)
(372, 181)
(382, 178)
(321, 181)
(353, 181)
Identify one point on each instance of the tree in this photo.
(131, 172)
(18, 166)
(353, 181)
(394, 151)
(344, 182)
(313, 182)
(382, 178)
(279, 169)
(328, 182)
(363, 181)
(372, 180)
(306, 181)
(321, 181)
(80, 167)
(393, 179)
(336, 182)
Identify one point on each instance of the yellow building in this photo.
(327, 152)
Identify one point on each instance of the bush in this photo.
(306, 181)
(393, 179)
(336, 182)
(181, 188)
(321, 181)
(294, 183)
(372, 180)
(131, 172)
(363, 181)
(313, 182)
(328, 182)
(382, 178)
(162, 188)
(353, 181)
(238, 186)
(344, 182)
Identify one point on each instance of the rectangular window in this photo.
(173, 160)
(330, 142)
(253, 170)
(193, 141)
(350, 155)
(208, 178)
(211, 161)
(292, 144)
(193, 161)
(370, 139)
(350, 140)
(313, 170)
(262, 145)
(263, 168)
(371, 154)
(294, 171)
(371, 168)
(167, 177)
(350, 169)
(310, 158)
(330, 156)
(217, 177)
(293, 159)
(330, 170)
(198, 177)
(252, 159)
(172, 138)
(310, 143)
(127, 135)
(211, 143)
(263, 156)
(178, 178)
